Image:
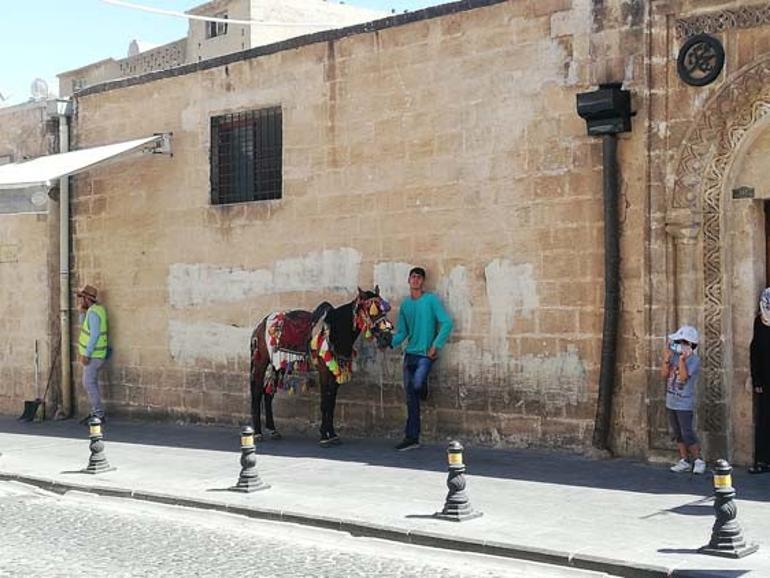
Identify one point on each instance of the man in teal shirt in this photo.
(425, 325)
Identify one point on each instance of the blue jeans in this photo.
(416, 369)
(91, 385)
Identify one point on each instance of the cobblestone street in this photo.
(77, 534)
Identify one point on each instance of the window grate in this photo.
(246, 156)
(214, 29)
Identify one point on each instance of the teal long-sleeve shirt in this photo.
(417, 321)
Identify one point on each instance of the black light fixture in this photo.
(606, 110)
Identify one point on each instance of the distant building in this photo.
(209, 39)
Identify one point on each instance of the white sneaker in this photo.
(699, 467)
(681, 466)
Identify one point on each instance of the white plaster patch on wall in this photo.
(511, 291)
(200, 284)
(392, 277)
(556, 380)
(455, 293)
(197, 284)
(214, 342)
(559, 379)
(463, 358)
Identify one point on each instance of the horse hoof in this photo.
(274, 435)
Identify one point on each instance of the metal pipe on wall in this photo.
(65, 408)
(611, 291)
(607, 112)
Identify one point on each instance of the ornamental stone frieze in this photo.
(683, 225)
(722, 20)
(718, 127)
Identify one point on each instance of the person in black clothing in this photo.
(760, 378)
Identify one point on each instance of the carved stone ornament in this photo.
(704, 161)
(683, 225)
(700, 60)
(722, 20)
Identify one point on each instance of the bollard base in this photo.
(457, 517)
(248, 485)
(457, 512)
(249, 489)
(98, 469)
(729, 551)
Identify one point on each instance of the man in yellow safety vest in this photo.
(92, 345)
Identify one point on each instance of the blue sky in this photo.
(42, 38)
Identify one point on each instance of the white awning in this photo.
(45, 171)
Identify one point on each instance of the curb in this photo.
(366, 530)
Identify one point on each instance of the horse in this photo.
(296, 341)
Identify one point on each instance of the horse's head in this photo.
(371, 316)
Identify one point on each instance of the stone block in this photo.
(544, 7)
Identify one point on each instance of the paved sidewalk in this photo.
(618, 516)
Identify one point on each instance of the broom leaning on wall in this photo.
(35, 409)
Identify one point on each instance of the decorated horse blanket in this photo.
(296, 340)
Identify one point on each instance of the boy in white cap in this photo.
(680, 369)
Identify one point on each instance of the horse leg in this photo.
(325, 404)
(256, 404)
(269, 423)
(257, 369)
(333, 437)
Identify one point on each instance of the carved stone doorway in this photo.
(721, 262)
(747, 212)
(767, 243)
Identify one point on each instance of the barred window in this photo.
(246, 156)
(214, 29)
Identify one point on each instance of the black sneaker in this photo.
(85, 421)
(408, 444)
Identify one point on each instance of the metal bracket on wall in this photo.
(162, 146)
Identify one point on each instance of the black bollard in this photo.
(97, 463)
(726, 536)
(249, 480)
(457, 507)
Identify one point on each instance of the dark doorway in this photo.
(767, 243)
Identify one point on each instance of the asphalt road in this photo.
(44, 534)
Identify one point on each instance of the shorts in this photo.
(680, 425)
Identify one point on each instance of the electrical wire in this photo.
(212, 18)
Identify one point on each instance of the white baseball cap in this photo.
(686, 333)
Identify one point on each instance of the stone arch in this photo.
(705, 158)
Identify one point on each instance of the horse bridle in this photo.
(364, 307)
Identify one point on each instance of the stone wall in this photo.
(74, 80)
(450, 142)
(159, 58)
(25, 262)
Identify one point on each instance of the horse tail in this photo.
(255, 355)
(253, 351)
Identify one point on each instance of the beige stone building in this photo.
(447, 138)
(235, 25)
(28, 255)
